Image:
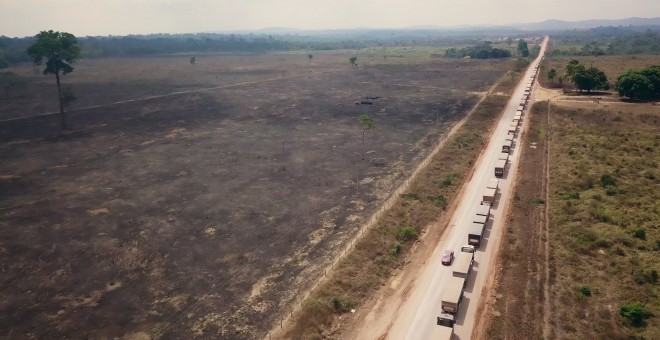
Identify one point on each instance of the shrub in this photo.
(450, 180)
(536, 201)
(640, 233)
(410, 196)
(397, 248)
(585, 290)
(635, 314)
(645, 276)
(342, 305)
(404, 234)
(607, 181)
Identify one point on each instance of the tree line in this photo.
(641, 84)
(610, 41)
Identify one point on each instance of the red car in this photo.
(448, 257)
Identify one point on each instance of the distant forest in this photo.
(608, 41)
(603, 40)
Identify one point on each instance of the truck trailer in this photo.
(476, 233)
(463, 265)
(488, 196)
(500, 166)
(452, 295)
(506, 145)
(483, 210)
(442, 332)
(494, 184)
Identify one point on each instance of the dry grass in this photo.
(604, 234)
(385, 247)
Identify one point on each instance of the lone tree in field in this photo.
(589, 78)
(59, 49)
(640, 85)
(552, 74)
(523, 48)
(310, 56)
(366, 123)
(353, 60)
(193, 60)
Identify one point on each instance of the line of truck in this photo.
(452, 296)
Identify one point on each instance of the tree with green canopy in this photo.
(59, 49)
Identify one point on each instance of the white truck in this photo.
(488, 196)
(483, 210)
(476, 233)
(506, 145)
(442, 332)
(452, 296)
(463, 265)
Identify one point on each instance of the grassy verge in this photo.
(384, 248)
(604, 223)
(517, 311)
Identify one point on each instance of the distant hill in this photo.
(566, 25)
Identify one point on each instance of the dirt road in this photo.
(410, 313)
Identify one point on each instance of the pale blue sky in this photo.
(120, 17)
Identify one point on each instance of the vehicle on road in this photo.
(443, 331)
(506, 146)
(463, 265)
(451, 299)
(476, 233)
(488, 196)
(467, 249)
(448, 257)
(500, 165)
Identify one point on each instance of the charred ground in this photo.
(205, 212)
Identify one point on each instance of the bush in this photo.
(645, 276)
(635, 314)
(607, 181)
(451, 179)
(397, 248)
(640, 233)
(585, 290)
(342, 305)
(404, 234)
(536, 201)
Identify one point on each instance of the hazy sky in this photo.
(120, 17)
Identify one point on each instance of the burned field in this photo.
(205, 213)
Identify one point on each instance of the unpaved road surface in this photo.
(411, 311)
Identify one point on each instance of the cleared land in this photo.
(204, 213)
(603, 235)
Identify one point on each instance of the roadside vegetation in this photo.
(385, 247)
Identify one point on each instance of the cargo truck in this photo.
(442, 332)
(506, 146)
(463, 265)
(516, 122)
(476, 232)
(488, 196)
(483, 210)
(500, 166)
(452, 296)
(494, 184)
(512, 128)
(503, 156)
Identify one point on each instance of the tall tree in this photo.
(552, 74)
(589, 78)
(366, 123)
(59, 49)
(193, 60)
(569, 70)
(353, 60)
(523, 48)
(634, 85)
(310, 56)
